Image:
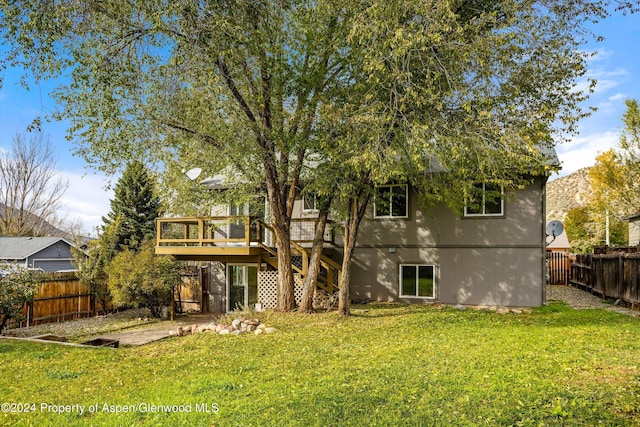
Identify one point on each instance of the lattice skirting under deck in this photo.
(267, 281)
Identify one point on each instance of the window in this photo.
(417, 280)
(309, 203)
(391, 201)
(486, 199)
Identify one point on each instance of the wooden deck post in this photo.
(247, 230)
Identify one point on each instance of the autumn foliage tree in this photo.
(260, 92)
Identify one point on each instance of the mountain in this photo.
(39, 226)
(567, 192)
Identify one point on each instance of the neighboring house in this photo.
(43, 253)
(634, 229)
(494, 254)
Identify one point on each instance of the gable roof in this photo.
(15, 248)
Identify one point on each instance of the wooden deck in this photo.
(242, 239)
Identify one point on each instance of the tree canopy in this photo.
(263, 92)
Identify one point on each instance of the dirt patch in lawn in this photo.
(130, 327)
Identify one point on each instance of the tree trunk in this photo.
(306, 305)
(357, 208)
(285, 299)
(5, 319)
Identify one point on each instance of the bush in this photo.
(17, 287)
(142, 279)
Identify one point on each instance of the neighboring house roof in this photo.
(17, 248)
(560, 242)
(632, 218)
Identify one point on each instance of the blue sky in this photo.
(616, 67)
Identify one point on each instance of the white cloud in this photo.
(582, 151)
(86, 200)
(618, 97)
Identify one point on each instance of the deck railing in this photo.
(228, 231)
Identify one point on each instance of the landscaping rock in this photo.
(236, 332)
(502, 310)
(269, 330)
(516, 311)
(459, 307)
(224, 332)
(236, 324)
(220, 327)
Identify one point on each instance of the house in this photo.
(494, 254)
(43, 253)
(634, 229)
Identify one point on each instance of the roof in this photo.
(15, 248)
(560, 242)
(221, 181)
(632, 218)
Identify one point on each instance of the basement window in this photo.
(417, 281)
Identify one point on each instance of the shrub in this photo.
(17, 287)
(142, 279)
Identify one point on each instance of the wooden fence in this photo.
(614, 274)
(60, 296)
(558, 267)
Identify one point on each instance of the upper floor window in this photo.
(486, 199)
(309, 203)
(391, 201)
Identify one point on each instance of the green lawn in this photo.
(386, 365)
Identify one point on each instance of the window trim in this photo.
(417, 268)
(483, 214)
(391, 216)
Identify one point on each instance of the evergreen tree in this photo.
(137, 206)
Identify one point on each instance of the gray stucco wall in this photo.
(483, 261)
(634, 232)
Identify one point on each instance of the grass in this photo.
(386, 365)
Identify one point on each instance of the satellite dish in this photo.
(194, 173)
(555, 228)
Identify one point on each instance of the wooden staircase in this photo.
(330, 271)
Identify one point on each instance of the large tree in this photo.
(135, 207)
(628, 155)
(615, 178)
(31, 189)
(262, 91)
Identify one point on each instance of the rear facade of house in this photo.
(493, 254)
